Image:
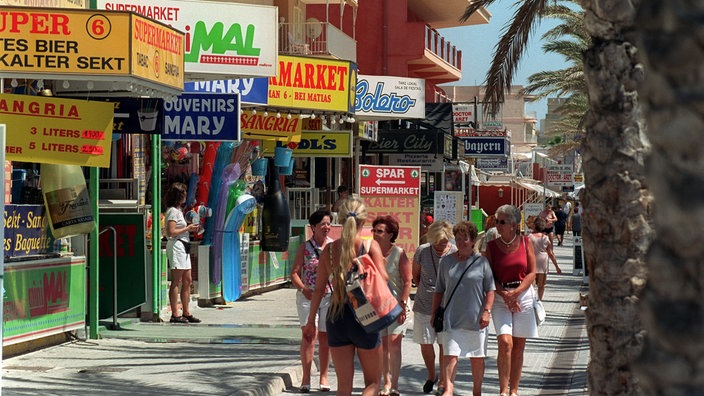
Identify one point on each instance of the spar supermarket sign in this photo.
(389, 180)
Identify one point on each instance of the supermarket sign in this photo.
(57, 131)
(389, 180)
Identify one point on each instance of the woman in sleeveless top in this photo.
(398, 267)
(345, 335)
(513, 263)
(304, 278)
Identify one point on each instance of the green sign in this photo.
(129, 251)
(43, 297)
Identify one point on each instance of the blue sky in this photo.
(477, 45)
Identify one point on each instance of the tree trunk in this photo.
(617, 233)
(672, 309)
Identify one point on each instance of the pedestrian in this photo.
(342, 194)
(426, 262)
(549, 216)
(543, 251)
(304, 277)
(513, 264)
(560, 224)
(577, 220)
(490, 232)
(345, 335)
(178, 253)
(399, 269)
(465, 288)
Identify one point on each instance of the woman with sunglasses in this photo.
(513, 264)
(304, 278)
(399, 269)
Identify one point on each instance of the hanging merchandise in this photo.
(67, 200)
(276, 218)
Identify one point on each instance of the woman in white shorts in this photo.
(426, 262)
(303, 278)
(465, 288)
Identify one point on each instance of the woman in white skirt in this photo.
(465, 287)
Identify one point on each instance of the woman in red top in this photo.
(513, 263)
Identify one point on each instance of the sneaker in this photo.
(178, 319)
(191, 319)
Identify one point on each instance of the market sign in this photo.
(45, 3)
(251, 90)
(286, 127)
(317, 144)
(485, 147)
(221, 38)
(313, 83)
(56, 130)
(394, 191)
(62, 43)
(381, 97)
(202, 117)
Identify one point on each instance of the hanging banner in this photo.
(313, 83)
(202, 117)
(394, 191)
(260, 126)
(57, 131)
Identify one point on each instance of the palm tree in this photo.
(616, 230)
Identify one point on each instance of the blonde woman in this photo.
(345, 335)
(426, 263)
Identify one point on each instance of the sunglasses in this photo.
(378, 231)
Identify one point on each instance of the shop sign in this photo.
(393, 191)
(405, 141)
(56, 42)
(202, 117)
(368, 130)
(463, 114)
(221, 38)
(136, 115)
(470, 132)
(389, 97)
(25, 231)
(559, 175)
(56, 130)
(313, 84)
(81, 4)
(485, 147)
(43, 299)
(260, 126)
(427, 162)
(251, 90)
(317, 144)
(493, 164)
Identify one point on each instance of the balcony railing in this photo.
(317, 39)
(437, 44)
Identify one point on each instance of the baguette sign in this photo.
(387, 180)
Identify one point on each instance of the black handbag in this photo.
(439, 319)
(186, 246)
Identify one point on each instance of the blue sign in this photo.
(485, 146)
(202, 117)
(493, 164)
(251, 90)
(26, 231)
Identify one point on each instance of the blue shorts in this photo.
(345, 330)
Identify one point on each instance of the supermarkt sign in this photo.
(64, 43)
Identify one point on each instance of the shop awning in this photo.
(539, 189)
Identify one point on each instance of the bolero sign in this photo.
(381, 97)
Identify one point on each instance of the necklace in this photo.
(508, 243)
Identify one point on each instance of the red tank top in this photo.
(508, 267)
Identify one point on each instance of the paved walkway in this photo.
(250, 347)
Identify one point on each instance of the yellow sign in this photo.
(402, 208)
(57, 131)
(308, 83)
(89, 42)
(319, 144)
(157, 52)
(258, 126)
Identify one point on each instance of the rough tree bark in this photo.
(617, 232)
(673, 305)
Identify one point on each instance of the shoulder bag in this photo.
(439, 319)
(369, 295)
